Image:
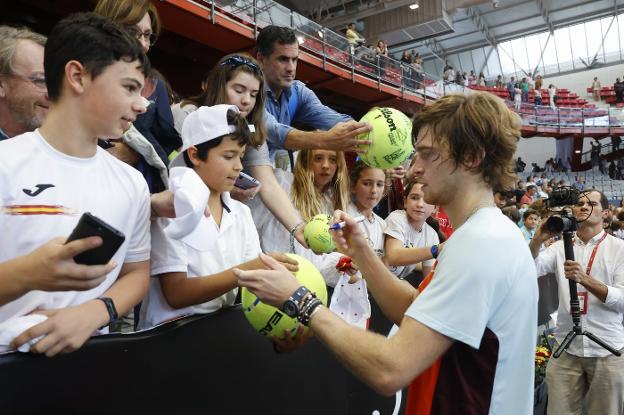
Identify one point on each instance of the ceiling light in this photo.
(300, 39)
(320, 34)
(577, 151)
(413, 6)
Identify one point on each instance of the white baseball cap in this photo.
(202, 125)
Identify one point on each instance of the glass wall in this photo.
(569, 48)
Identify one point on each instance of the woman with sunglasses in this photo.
(141, 20)
(238, 80)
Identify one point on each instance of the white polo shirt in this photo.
(602, 319)
(399, 228)
(237, 243)
(373, 229)
(43, 193)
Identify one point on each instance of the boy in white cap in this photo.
(193, 256)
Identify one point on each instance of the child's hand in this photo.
(66, 329)
(242, 195)
(292, 342)
(289, 263)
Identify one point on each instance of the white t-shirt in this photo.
(482, 294)
(237, 243)
(399, 228)
(374, 230)
(43, 193)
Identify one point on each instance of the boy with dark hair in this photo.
(49, 177)
(530, 219)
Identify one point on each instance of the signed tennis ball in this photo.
(391, 138)
(317, 235)
(270, 321)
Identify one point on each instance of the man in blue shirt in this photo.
(291, 101)
(23, 93)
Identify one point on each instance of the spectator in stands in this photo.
(537, 100)
(481, 79)
(408, 77)
(353, 37)
(94, 74)
(618, 87)
(472, 78)
(538, 83)
(585, 371)
(23, 93)
(499, 82)
(409, 239)
(512, 213)
(552, 96)
(524, 86)
(517, 97)
(530, 194)
(290, 101)
(544, 190)
(530, 220)
(432, 326)
(616, 140)
(511, 88)
(140, 18)
(520, 165)
(596, 89)
(418, 69)
(449, 74)
(612, 169)
(191, 277)
(504, 198)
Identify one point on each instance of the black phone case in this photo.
(90, 225)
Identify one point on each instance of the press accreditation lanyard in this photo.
(583, 297)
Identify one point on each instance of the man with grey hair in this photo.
(23, 93)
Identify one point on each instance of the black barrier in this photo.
(211, 364)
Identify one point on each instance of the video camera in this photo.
(562, 220)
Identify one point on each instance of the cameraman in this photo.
(587, 371)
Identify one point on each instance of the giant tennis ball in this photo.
(317, 235)
(270, 321)
(391, 138)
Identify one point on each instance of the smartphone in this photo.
(245, 181)
(90, 225)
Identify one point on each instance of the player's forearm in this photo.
(363, 353)
(391, 294)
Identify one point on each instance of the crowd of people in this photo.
(86, 104)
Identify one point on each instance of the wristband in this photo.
(110, 307)
(435, 250)
(292, 236)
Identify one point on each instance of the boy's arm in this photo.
(181, 291)
(67, 329)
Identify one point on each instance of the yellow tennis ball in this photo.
(270, 321)
(391, 138)
(317, 235)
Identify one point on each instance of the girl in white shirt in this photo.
(367, 189)
(409, 240)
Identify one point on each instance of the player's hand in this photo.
(343, 137)
(65, 330)
(51, 267)
(273, 285)
(349, 240)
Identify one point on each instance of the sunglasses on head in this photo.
(236, 61)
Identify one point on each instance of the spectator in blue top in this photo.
(511, 87)
(289, 101)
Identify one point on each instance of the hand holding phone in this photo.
(90, 225)
(245, 181)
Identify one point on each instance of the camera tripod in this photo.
(575, 310)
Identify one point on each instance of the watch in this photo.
(110, 307)
(435, 251)
(291, 306)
